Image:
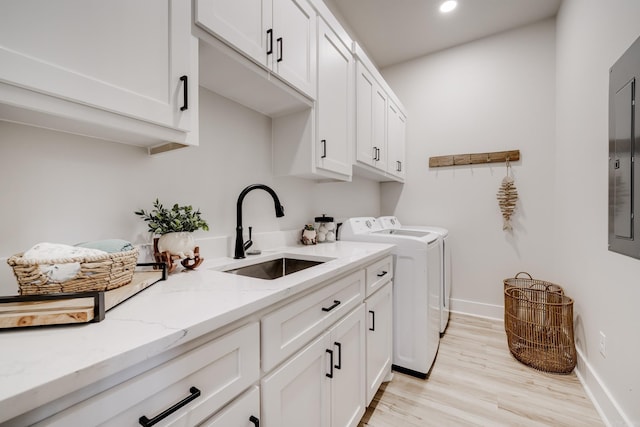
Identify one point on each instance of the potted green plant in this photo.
(175, 227)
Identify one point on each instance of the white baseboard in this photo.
(610, 412)
(477, 309)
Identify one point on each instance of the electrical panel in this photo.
(624, 145)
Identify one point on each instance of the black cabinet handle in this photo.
(399, 168)
(185, 88)
(254, 420)
(324, 148)
(377, 154)
(280, 48)
(146, 422)
(339, 365)
(330, 375)
(334, 305)
(382, 274)
(270, 41)
(373, 320)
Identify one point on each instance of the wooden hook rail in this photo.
(474, 158)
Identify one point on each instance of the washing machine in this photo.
(416, 286)
(392, 223)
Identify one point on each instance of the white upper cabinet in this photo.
(243, 24)
(396, 140)
(371, 120)
(294, 44)
(85, 65)
(317, 142)
(334, 104)
(380, 125)
(276, 34)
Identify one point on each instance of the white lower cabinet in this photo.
(324, 355)
(379, 338)
(244, 411)
(195, 385)
(322, 385)
(347, 339)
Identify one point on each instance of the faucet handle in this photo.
(246, 245)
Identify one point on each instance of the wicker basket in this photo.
(97, 273)
(538, 320)
(531, 283)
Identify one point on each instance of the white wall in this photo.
(591, 36)
(66, 188)
(489, 95)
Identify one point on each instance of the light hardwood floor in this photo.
(476, 382)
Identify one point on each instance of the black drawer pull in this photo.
(330, 375)
(146, 422)
(334, 305)
(339, 365)
(254, 420)
(382, 274)
(281, 48)
(270, 42)
(185, 87)
(324, 148)
(373, 320)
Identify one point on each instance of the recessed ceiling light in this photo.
(448, 6)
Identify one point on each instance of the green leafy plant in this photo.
(179, 218)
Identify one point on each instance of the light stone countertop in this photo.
(39, 365)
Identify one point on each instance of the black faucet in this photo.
(240, 246)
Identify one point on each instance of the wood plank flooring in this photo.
(476, 382)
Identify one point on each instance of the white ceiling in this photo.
(393, 31)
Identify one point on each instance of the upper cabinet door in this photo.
(243, 24)
(121, 56)
(396, 141)
(334, 104)
(294, 44)
(371, 122)
(280, 35)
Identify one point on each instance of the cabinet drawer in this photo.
(378, 274)
(244, 411)
(289, 328)
(219, 370)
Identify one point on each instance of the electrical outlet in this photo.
(603, 344)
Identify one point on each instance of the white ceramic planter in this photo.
(180, 243)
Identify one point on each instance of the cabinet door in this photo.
(371, 120)
(334, 107)
(209, 376)
(297, 393)
(242, 412)
(396, 140)
(379, 338)
(120, 56)
(243, 24)
(294, 44)
(365, 86)
(347, 384)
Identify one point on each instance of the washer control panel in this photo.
(360, 225)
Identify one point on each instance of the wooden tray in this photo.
(69, 308)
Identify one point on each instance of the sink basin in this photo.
(274, 269)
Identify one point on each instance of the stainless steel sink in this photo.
(274, 269)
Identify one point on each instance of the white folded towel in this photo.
(53, 251)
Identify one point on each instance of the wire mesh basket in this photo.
(538, 320)
(531, 283)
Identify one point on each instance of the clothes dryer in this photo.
(416, 285)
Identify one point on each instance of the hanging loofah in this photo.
(507, 197)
